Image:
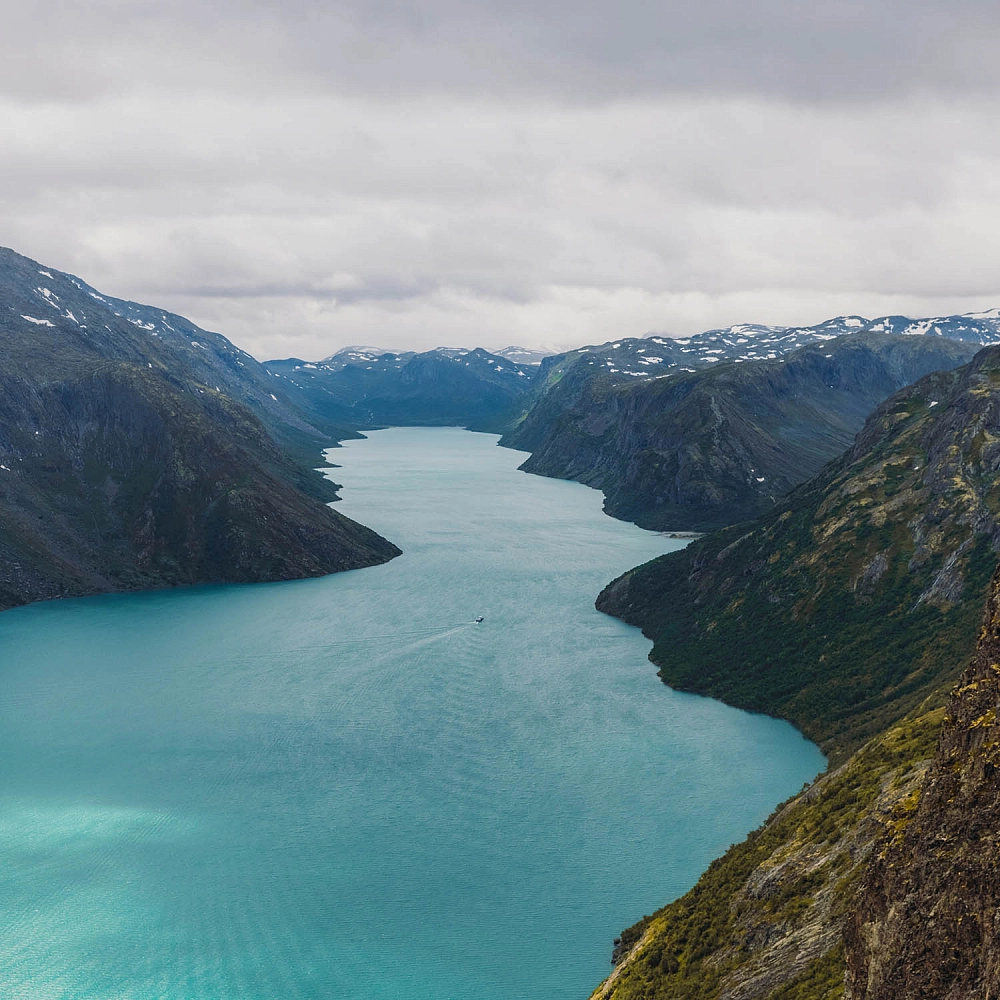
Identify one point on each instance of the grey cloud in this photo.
(582, 51)
(399, 219)
(321, 174)
(385, 291)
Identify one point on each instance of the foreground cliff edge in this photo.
(926, 921)
(852, 611)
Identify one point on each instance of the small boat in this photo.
(480, 619)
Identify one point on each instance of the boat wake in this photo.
(431, 632)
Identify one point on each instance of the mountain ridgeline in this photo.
(708, 448)
(139, 451)
(691, 433)
(365, 388)
(851, 609)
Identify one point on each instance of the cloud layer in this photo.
(489, 174)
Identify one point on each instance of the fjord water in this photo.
(345, 787)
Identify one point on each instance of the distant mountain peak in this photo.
(357, 349)
(524, 355)
(987, 314)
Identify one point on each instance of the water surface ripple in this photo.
(345, 788)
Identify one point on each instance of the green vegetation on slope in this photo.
(845, 607)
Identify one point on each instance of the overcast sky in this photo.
(488, 173)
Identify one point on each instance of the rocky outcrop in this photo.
(926, 921)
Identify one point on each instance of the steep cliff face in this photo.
(120, 469)
(926, 921)
(845, 607)
(701, 450)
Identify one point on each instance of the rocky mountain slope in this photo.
(564, 379)
(852, 610)
(640, 357)
(975, 327)
(445, 386)
(844, 606)
(877, 883)
(766, 921)
(925, 920)
(208, 357)
(704, 449)
(125, 463)
(653, 356)
(631, 358)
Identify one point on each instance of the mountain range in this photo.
(445, 386)
(708, 448)
(680, 434)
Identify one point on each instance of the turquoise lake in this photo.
(344, 787)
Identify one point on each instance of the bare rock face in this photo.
(926, 923)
